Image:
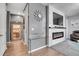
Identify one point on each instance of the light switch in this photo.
(32, 29)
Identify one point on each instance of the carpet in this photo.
(68, 48)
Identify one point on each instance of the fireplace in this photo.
(57, 35)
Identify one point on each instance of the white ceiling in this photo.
(16, 6)
(69, 9)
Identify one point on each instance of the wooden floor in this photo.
(16, 48)
(47, 52)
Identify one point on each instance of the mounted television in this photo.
(57, 19)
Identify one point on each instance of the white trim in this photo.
(37, 49)
(3, 51)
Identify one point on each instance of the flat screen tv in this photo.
(57, 19)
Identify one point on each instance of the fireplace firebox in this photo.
(57, 35)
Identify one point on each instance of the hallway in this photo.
(16, 48)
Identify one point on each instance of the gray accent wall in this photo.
(37, 30)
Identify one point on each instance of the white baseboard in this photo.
(3, 51)
(37, 49)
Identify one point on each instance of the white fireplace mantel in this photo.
(51, 42)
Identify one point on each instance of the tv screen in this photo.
(57, 19)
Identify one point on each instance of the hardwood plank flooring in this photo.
(16, 48)
(47, 52)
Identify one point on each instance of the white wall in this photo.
(2, 28)
(67, 28)
(16, 7)
(73, 24)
